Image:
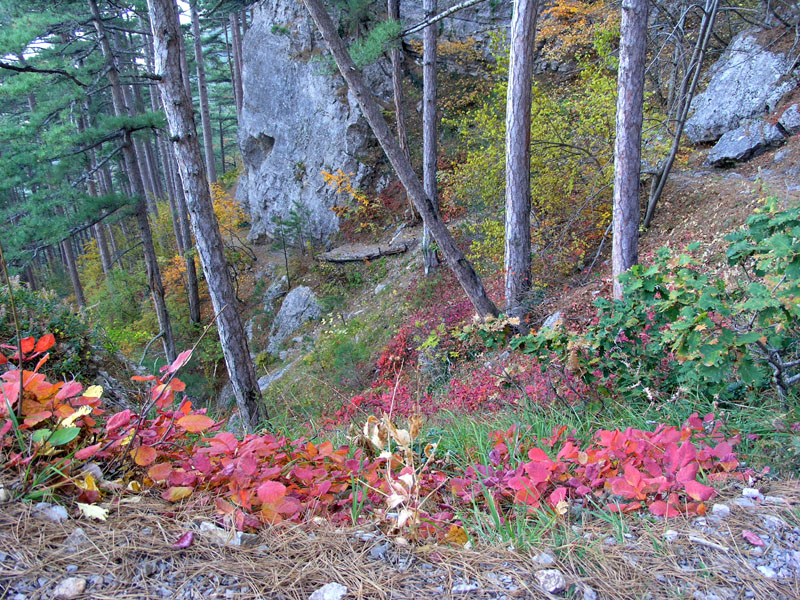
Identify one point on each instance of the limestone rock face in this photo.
(297, 120)
(790, 119)
(747, 81)
(299, 306)
(750, 139)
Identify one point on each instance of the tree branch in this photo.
(445, 13)
(30, 69)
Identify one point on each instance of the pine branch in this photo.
(30, 69)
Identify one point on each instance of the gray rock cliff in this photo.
(747, 81)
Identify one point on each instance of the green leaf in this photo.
(40, 435)
(64, 436)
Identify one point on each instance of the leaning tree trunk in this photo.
(429, 130)
(205, 113)
(396, 57)
(628, 144)
(183, 132)
(518, 157)
(466, 275)
(137, 189)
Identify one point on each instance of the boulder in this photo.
(275, 291)
(743, 143)
(299, 306)
(747, 81)
(790, 119)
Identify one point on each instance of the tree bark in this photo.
(396, 57)
(429, 130)
(466, 275)
(628, 144)
(178, 109)
(236, 44)
(72, 268)
(205, 113)
(518, 157)
(137, 189)
(192, 287)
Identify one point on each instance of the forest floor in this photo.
(748, 546)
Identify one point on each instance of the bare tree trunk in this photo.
(236, 100)
(518, 157)
(192, 286)
(221, 141)
(178, 108)
(628, 144)
(685, 96)
(137, 188)
(72, 268)
(429, 130)
(205, 114)
(466, 275)
(396, 56)
(236, 43)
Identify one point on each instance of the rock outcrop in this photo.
(750, 139)
(297, 120)
(299, 306)
(748, 81)
(790, 119)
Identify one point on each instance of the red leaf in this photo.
(70, 389)
(88, 452)
(181, 360)
(698, 491)
(45, 342)
(271, 492)
(121, 419)
(184, 541)
(27, 344)
(662, 509)
(687, 473)
(752, 538)
(3, 359)
(144, 378)
(195, 423)
(159, 472)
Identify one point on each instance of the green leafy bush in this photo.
(681, 330)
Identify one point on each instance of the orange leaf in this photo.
(195, 423)
(45, 342)
(27, 344)
(174, 494)
(159, 472)
(144, 455)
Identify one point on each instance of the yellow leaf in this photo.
(456, 535)
(81, 412)
(94, 391)
(90, 511)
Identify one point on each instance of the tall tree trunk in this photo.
(192, 286)
(236, 100)
(518, 157)
(396, 57)
(463, 270)
(221, 141)
(236, 44)
(628, 144)
(429, 130)
(205, 113)
(72, 268)
(137, 188)
(178, 108)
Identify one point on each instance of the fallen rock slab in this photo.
(361, 252)
(299, 306)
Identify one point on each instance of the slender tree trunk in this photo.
(518, 157)
(236, 43)
(102, 246)
(178, 108)
(236, 100)
(205, 113)
(684, 103)
(463, 270)
(429, 130)
(72, 268)
(628, 144)
(221, 141)
(192, 286)
(396, 57)
(137, 188)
